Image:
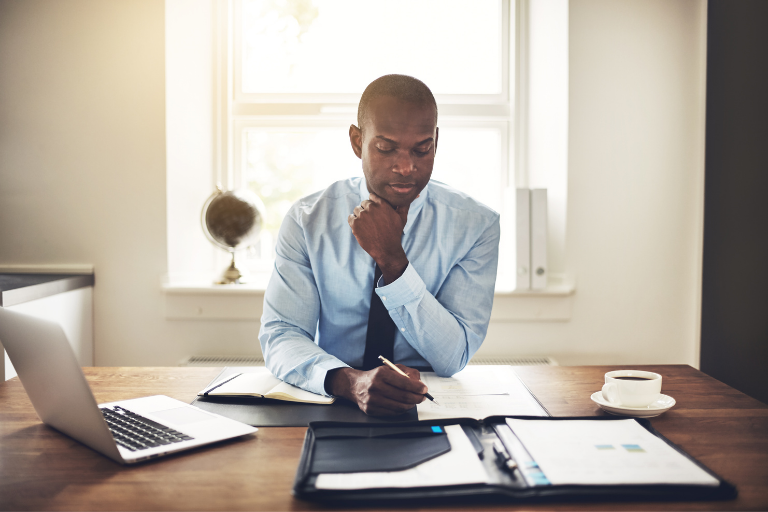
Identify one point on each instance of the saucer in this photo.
(661, 405)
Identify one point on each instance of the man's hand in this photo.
(378, 229)
(378, 392)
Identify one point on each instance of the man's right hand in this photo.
(378, 392)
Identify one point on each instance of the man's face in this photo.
(397, 146)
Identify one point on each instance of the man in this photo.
(434, 248)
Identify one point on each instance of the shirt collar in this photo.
(413, 211)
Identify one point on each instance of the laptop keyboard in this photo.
(135, 432)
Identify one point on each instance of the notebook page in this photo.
(261, 382)
(478, 392)
(285, 391)
(473, 380)
(256, 383)
(604, 452)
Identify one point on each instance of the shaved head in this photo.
(402, 87)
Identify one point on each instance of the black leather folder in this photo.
(334, 447)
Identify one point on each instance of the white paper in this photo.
(604, 452)
(473, 380)
(478, 407)
(301, 395)
(459, 466)
(478, 392)
(261, 381)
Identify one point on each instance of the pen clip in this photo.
(503, 459)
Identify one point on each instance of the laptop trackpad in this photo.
(182, 415)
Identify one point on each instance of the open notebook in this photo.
(259, 382)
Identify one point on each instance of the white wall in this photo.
(82, 166)
(189, 131)
(83, 178)
(635, 187)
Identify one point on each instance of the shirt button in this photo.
(383, 298)
(402, 329)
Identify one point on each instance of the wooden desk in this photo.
(41, 469)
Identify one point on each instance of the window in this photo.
(291, 75)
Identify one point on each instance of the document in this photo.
(261, 383)
(460, 466)
(478, 391)
(473, 380)
(604, 453)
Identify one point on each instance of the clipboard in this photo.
(510, 477)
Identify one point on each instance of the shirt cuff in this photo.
(409, 287)
(316, 383)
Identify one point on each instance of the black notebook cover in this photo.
(353, 450)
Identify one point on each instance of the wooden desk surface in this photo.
(41, 469)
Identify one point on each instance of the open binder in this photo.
(497, 458)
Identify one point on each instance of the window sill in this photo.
(202, 300)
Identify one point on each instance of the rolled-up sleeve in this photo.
(447, 328)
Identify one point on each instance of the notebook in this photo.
(127, 431)
(259, 382)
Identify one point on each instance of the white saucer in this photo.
(662, 405)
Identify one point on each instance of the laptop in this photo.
(127, 431)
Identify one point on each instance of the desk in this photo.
(41, 469)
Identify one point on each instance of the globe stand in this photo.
(232, 275)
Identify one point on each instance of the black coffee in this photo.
(631, 378)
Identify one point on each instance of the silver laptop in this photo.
(128, 431)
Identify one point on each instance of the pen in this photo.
(401, 372)
(503, 459)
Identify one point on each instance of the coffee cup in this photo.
(631, 388)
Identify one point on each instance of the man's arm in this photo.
(289, 321)
(446, 329)
(291, 312)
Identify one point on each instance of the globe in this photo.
(232, 220)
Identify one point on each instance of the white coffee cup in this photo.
(631, 388)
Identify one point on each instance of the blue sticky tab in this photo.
(437, 430)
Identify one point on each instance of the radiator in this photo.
(258, 361)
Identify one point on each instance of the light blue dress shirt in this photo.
(317, 302)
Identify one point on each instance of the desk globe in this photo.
(233, 220)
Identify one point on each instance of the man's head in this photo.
(396, 137)
(402, 87)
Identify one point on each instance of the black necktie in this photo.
(380, 340)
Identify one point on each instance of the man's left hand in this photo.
(378, 228)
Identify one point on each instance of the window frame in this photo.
(235, 112)
(240, 97)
